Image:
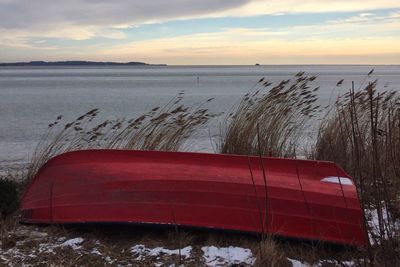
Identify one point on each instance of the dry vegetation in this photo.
(271, 118)
(162, 128)
(361, 133)
(110, 245)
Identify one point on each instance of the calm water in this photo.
(31, 98)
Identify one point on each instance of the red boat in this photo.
(303, 199)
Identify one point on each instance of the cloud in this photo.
(29, 25)
(267, 46)
(85, 19)
(42, 14)
(26, 38)
(369, 18)
(54, 14)
(258, 7)
(336, 42)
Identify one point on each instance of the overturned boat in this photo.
(304, 199)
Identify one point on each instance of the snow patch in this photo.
(61, 239)
(95, 251)
(223, 256)
(12, 255)
(373, 225)
(36, 234)
(3, 258)
(74, 243)
(46, 248)
(337, 180)
(296, 263)
(140, 251)
(49, 248)
(322, 263)
(109, 260)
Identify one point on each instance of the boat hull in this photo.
(291, 198)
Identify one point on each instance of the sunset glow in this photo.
(202, 32)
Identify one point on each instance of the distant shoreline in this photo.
(71, 63)
(74, 64)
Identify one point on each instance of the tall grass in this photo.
(8, 197)
(362, 134)
(271, 118)
(270, 254)
(162, 128)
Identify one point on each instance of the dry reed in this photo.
(362, 134)
(270, 254)
(162, 128)
(273, 120)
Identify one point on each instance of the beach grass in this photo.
(164, 128)
(360, 132)
(271, 117)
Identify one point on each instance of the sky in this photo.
(202, 32)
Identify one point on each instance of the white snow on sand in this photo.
(140, 251)
(322, 263)
(225, 256)
(373, 224)
(95, 251)
(74, 243)
(296, 263)
(337, 180)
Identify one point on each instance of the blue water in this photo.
(32, 97)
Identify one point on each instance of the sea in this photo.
(32, 97)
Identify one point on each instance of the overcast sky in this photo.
(202, 32)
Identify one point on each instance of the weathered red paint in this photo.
(197, 189)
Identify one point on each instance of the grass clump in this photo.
(270, 254)
(274, 119)
(9, 199)
(362, 134)
(162, 128)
